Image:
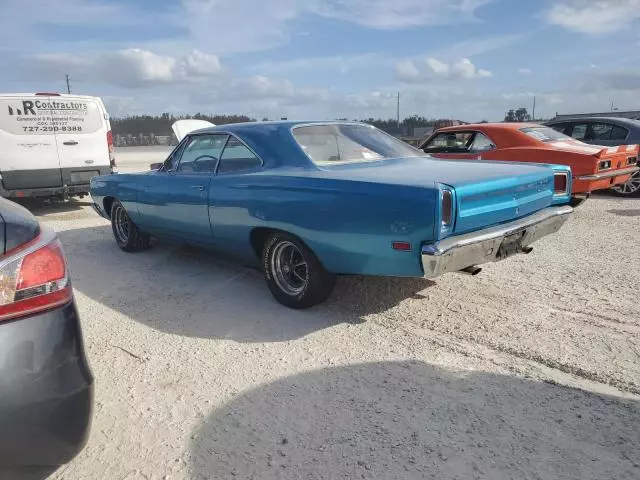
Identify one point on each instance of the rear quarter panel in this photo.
(349, 225)
(124, 187)
(580, 164)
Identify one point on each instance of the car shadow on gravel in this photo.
(193, 292)
(38, 206)
(633, 212)
(406, 420)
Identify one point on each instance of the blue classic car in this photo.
(309, 201)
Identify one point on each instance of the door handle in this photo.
(70, 142)
(198, 187)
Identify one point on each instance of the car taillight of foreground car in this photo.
(46, 385)
(34, 278)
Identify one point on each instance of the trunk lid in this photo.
(487, 193)
(182, 128)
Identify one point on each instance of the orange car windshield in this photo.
(545, 134)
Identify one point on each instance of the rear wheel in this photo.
(128, 237)
(630, 188)
(294, 274)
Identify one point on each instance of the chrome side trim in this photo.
(459, 252)
(613, 173)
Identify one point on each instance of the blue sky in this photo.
(466, 59)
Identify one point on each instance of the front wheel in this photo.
(126, 233)
(630, 188)
(294, 274)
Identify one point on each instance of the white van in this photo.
(52, 144)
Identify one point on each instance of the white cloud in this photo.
(201, 64)
(387, 15)
(132, 68)
(542, 98)
(341, 63)
(594, 16)
(525, 71)
(407, 70)
(463, 68)
(438, 67)
(478, 46)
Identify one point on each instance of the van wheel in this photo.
(126, 233)
(294, 274)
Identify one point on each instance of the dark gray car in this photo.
(607, 131)
(46, 386)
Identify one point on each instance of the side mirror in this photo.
(156, 166)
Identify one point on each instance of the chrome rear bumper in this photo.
(491, 244)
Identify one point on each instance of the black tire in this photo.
(290, 286)
(576, 201)
(128, 237)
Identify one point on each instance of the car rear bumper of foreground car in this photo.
(492, 244)
(46, 390)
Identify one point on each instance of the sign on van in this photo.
(33, 116)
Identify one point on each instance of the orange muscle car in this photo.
(593, 167)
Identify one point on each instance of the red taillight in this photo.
(402, 246)
(34, 279)
(447, 208)
(560, 183)
(112, 158)
(42, 266)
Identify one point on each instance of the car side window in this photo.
(561, 127)
(449, 142)
(201, 154)
(619, 133)
(481, 143)
(171, 163)
(236, 157)
(579, 131)
(601, 131)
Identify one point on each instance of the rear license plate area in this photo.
(511, 244)
(84, 176)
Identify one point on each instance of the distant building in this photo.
(631, 114)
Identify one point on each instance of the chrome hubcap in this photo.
(630, 186)
(121, 223)
(289, 269)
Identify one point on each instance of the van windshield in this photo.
(349, 143)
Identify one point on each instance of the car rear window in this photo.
(349, 143)
(47, 115)
(544, 134)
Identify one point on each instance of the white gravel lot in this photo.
(529, 370)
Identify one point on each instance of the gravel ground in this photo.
(529, 370)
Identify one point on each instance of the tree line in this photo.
(161, 124)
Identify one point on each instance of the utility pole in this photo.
(398, 111)
(68, 86)
(533, 113)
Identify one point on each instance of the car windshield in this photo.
(349, 143)
(545, 134)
